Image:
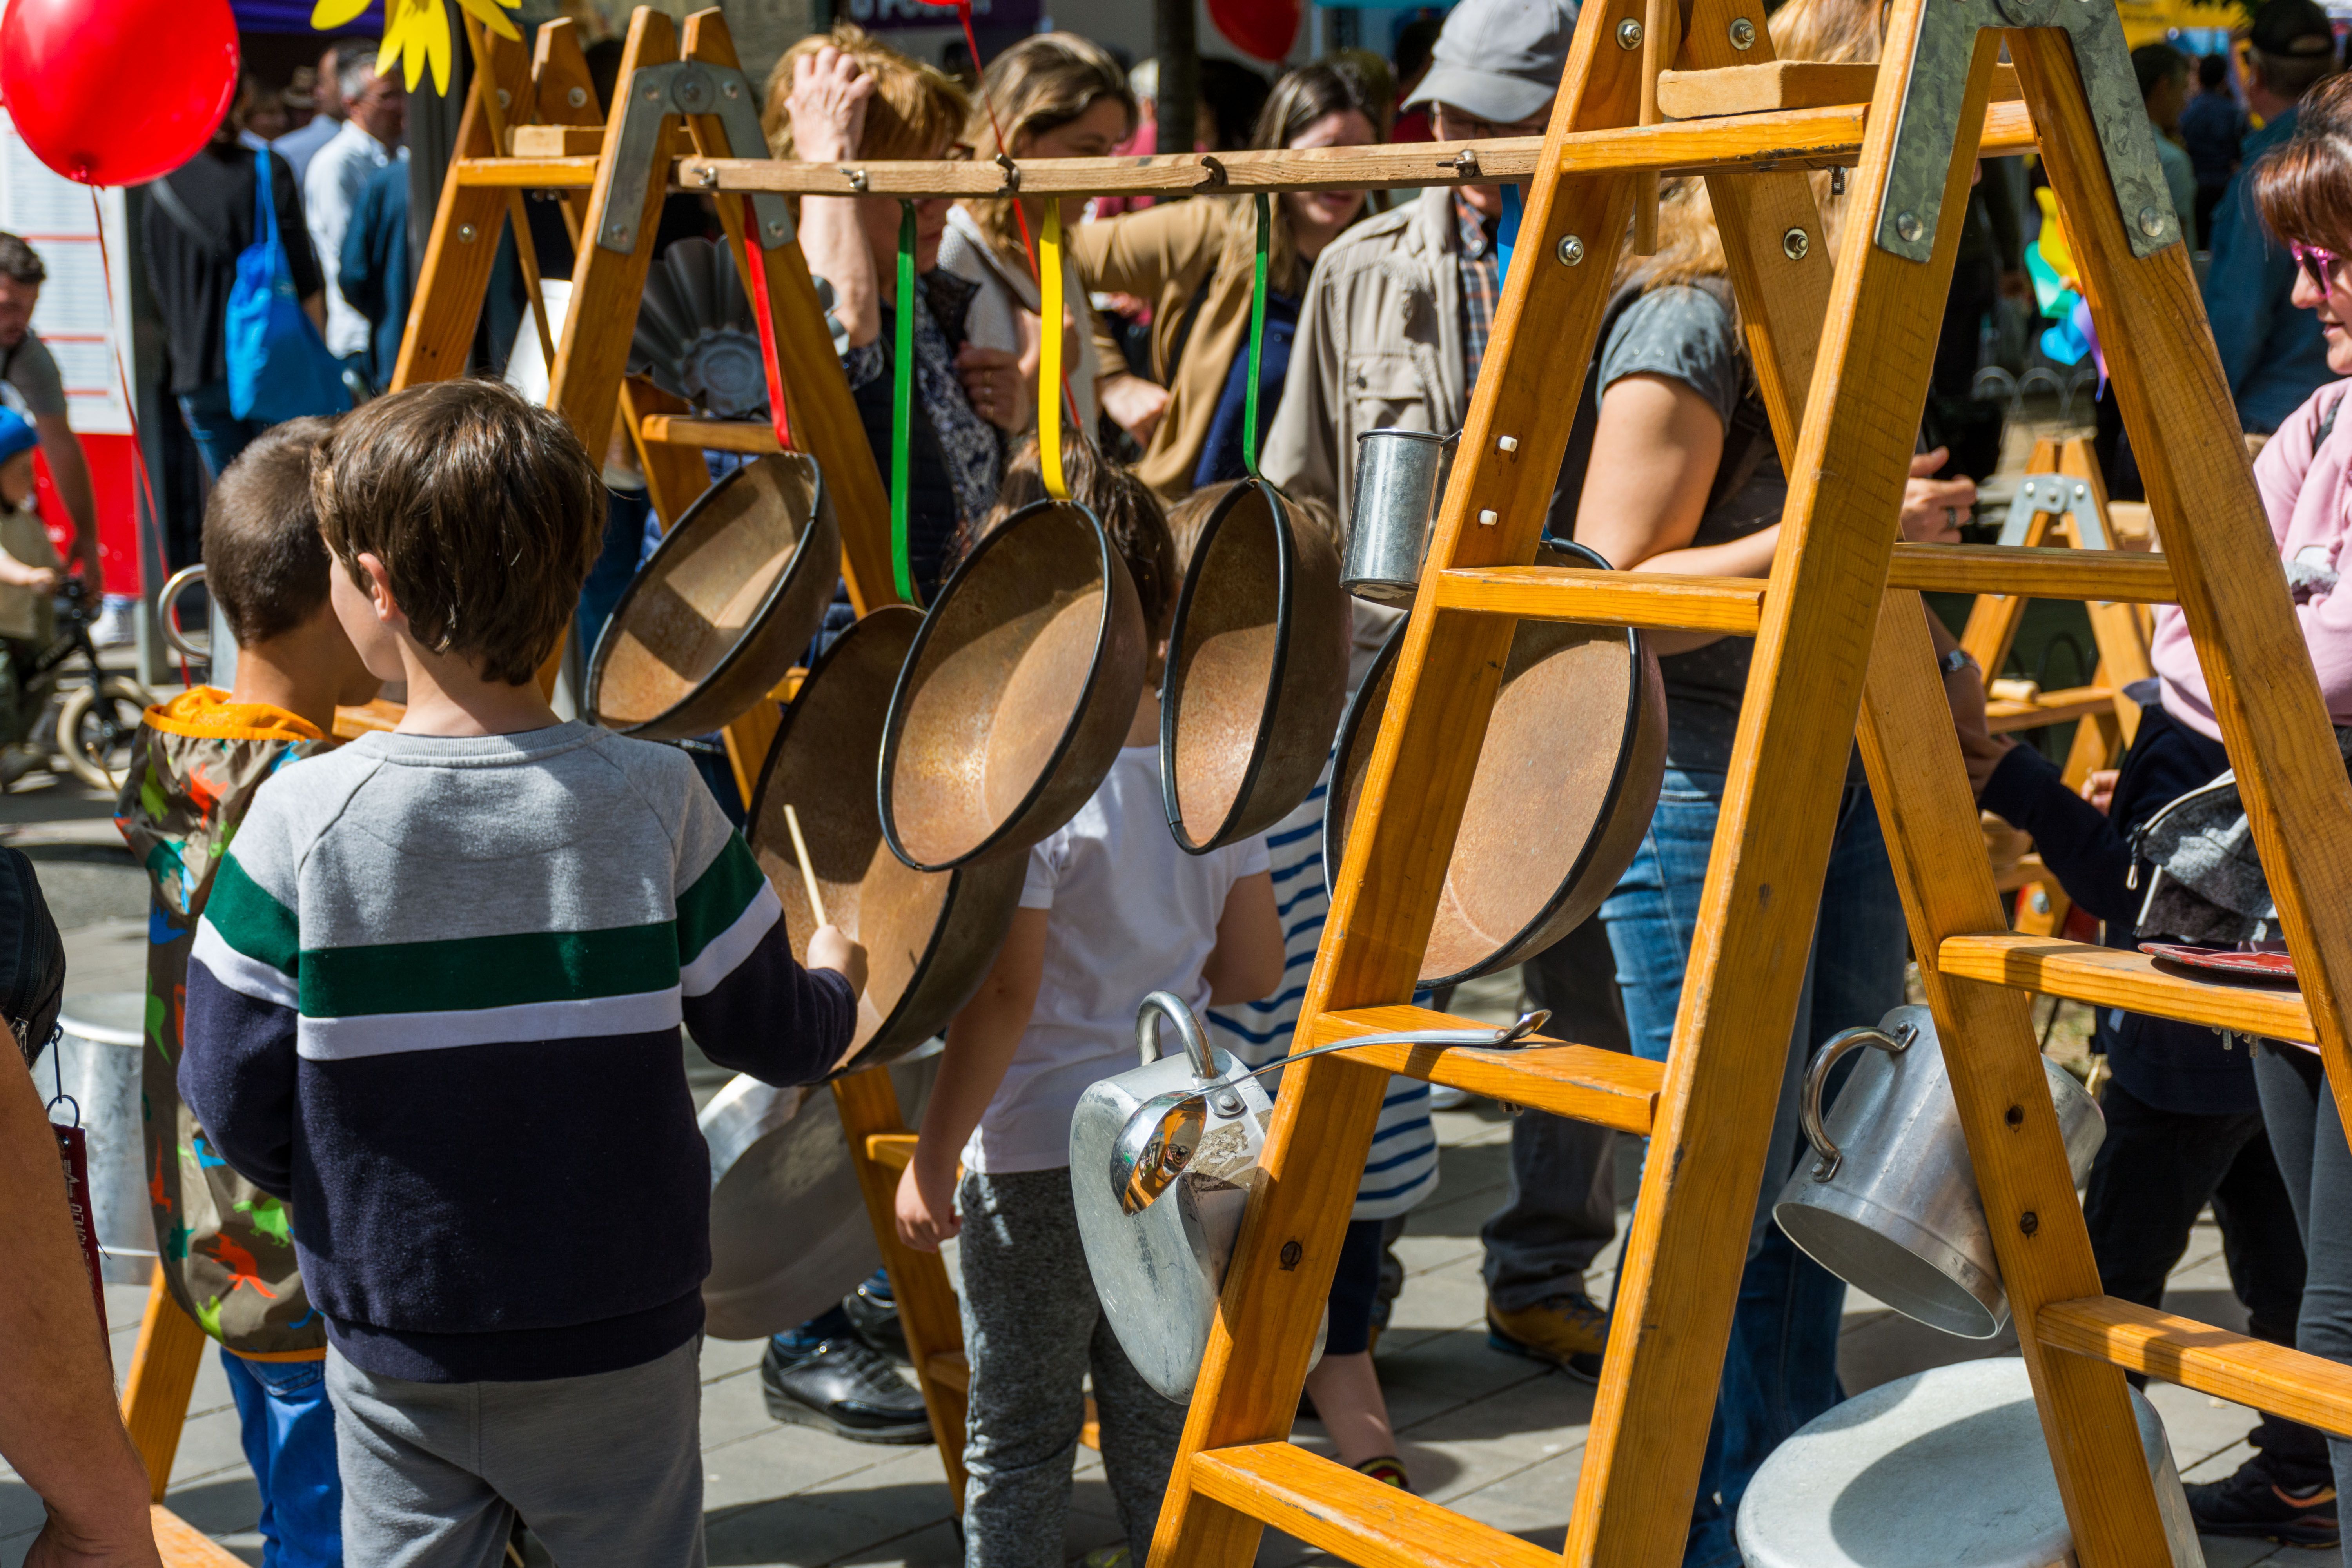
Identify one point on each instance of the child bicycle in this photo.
(84, 731)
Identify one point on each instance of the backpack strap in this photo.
(2326, 425)
(164, 196)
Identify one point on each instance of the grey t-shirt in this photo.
(32, 372)
(1687, 334)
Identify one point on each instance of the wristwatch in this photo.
(1955, 661)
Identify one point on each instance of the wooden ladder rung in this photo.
(708, 435)
(2290, 1383)
(557, 141)
(181, 1545)
(2003, 714)
(1352, 1516)
(1812, 137)
(896, 1150)
(528, 174)
(1608, 1089)
(2107, 977)
(2121, 576)
(1784, 84)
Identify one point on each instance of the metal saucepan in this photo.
(790, 1234)
(1164, 1134)
(929, 936)
(1891, 1206)
(725, 607)
(1257, 671)
(1566, 783)
(1017, 694)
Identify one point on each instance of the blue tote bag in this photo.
(278, 365)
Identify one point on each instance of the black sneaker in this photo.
(874, 1315)
(2252, 1504)
(846, 1387)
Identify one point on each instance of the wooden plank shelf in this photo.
(2108, 977)
(751, 436)
(1608, 1089)
(1784, 84)
(527, 173)
(2246, 1371)
(1352, 1516)
(2005, 714)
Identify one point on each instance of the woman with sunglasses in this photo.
(2188, 1119)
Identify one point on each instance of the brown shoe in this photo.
(1567, 1331)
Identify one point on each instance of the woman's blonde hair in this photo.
(1040, 84)
(1843, 32)
(914, 112)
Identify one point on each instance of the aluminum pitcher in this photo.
(1890, 1205)
(1157, 1271)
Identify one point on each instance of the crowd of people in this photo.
(426, 1349)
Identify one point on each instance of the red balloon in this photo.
(1261, 30)
(116, 92)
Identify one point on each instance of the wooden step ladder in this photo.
(2061, 496)
(1843, 648)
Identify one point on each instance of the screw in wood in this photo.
(1291, 1253)
(465, 234)
(1794, 244)
(2028, 1222)
(1571, 250)
(1629, 34)
(2015, 1116)
(1743, 33)
(2151, 222)
(1908, 226)
(1508, 443)
(577, 98)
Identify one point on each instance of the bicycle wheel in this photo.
(95, 728)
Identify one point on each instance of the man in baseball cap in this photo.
(1499, 62)
(2273, 354)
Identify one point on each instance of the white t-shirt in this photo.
(1132, 914)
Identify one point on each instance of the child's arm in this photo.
(1247, 962)
(16, 574)
(981, 1043)
(238, 1061)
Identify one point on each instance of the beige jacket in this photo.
(1380, 344)
(1167, 254)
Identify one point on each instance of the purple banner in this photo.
(294, 17)
(892, 15)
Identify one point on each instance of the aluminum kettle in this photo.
(1890, 1204)
(1157, 1271)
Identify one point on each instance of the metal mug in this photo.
(1891, 1206)
(1388, 524)
(1157, 1271)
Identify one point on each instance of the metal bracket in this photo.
(683, 87)
(1924, 138)
(2039, 493)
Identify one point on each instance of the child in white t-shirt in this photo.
(1111, 911)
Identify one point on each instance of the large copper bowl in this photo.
(1019, 692)
(1565, 787)
(929, 936)
(1257, 671)
(726, 606)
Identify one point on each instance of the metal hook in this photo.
(1219, 178)
(857, 178)
(1012, 173)
(1465, 163)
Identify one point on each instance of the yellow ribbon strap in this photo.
(1049, 370)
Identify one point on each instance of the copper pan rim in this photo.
(1544, 926)
(999, 838)
(665, 725)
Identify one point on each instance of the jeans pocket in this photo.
(289, 1379)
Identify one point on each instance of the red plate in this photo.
(2224, 960)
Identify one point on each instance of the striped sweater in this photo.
(433, 1003)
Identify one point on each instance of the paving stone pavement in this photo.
(1497, 1437)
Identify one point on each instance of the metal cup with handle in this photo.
(1890, 1204)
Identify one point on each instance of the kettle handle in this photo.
(1817, 1074)
(1173, 1007)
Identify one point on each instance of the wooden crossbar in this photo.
(2109, 977)
(2172, 1349)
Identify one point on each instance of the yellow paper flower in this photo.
(416, 32)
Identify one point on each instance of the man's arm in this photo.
(2237, 291)
(58, 1425)
(69, 471)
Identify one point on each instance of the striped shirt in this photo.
(1401, 1169)
(434, 1003)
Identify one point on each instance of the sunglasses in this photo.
(2324, 267)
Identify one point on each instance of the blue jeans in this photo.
(289, 1441)
(1779, 1368)
(219, 435)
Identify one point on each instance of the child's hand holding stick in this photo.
(829, 947)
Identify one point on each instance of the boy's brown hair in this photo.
(265, 564)
(485, 509)
(1128, 509)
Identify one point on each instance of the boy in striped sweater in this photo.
(433, 1003)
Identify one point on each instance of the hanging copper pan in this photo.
(1257, 671)
(929, 936)
(725, 607)
(1017, 695)
(1565, 785)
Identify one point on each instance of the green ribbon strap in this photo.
(1257, 338)
(902, 402)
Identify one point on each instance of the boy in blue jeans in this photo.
(434, 1003)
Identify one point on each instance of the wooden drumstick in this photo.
(808, 872)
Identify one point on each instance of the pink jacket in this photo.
(2308, 494)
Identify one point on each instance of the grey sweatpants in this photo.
(605, 1469)
(1033, 1329)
